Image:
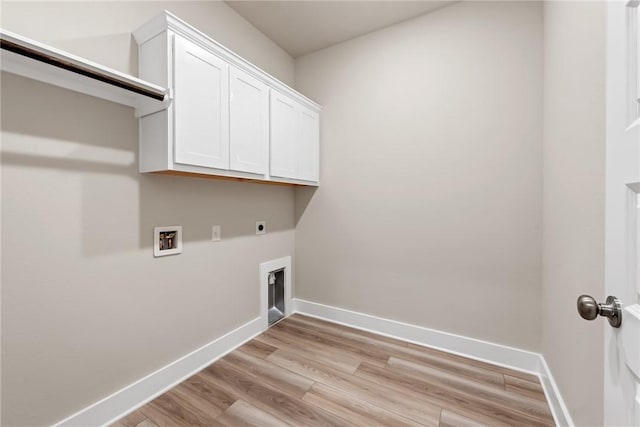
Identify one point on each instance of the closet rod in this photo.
(77, 68)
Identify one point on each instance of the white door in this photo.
(622, 267)
(284, 135)
(308, 145)
(201, 97)
(249, 123)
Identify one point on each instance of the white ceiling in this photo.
(301, 27)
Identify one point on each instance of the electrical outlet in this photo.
(215, 233)
(261, 227)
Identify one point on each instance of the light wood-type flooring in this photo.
(307, 372)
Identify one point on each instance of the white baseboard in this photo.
(551, 391)
(120, 403)
(485, 351)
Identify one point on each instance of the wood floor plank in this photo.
(358, 335)
(354, 410)
(347, 365)
(281, 379)
(370, 354)
(344, 333)
(257, 349)
(517, 402)
(522, 375)
(243, 414)
(329, 352)
(170, 409)
(289, 408)
(410, 405)
(524, 387)
(440, 361)
(477, 363)
(156, 412)
(452, 419)
(200, 409)
(199, 405)
(133, 419)
(216, 397)
(448, 397)
(145, 422)
(435, 358)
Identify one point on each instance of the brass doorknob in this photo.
(589, 309)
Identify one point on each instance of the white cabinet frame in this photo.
(201, 106)
(249, 123)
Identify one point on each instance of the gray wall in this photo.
(86, 309)
(573, 212)
(429, 209)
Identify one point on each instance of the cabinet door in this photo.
(308, 145)
(249, 123)
(201, 106)
(284, 135)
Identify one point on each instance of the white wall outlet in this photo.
(261, 227)
(215, 233)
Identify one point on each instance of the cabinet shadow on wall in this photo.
(80, 162)
(303, 198)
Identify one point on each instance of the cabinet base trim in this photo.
(229, 178)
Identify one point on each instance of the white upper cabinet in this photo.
(226, 118)
(284, 135)
(307, 150)
(249, 126)
(295, 131)
(201, 92)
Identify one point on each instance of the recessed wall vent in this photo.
(275, 307)
(275, 291)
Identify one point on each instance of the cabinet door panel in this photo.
(201, 106)
(249, 123)
(284, 135)
(308, 145)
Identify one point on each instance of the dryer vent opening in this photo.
(276, 295)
